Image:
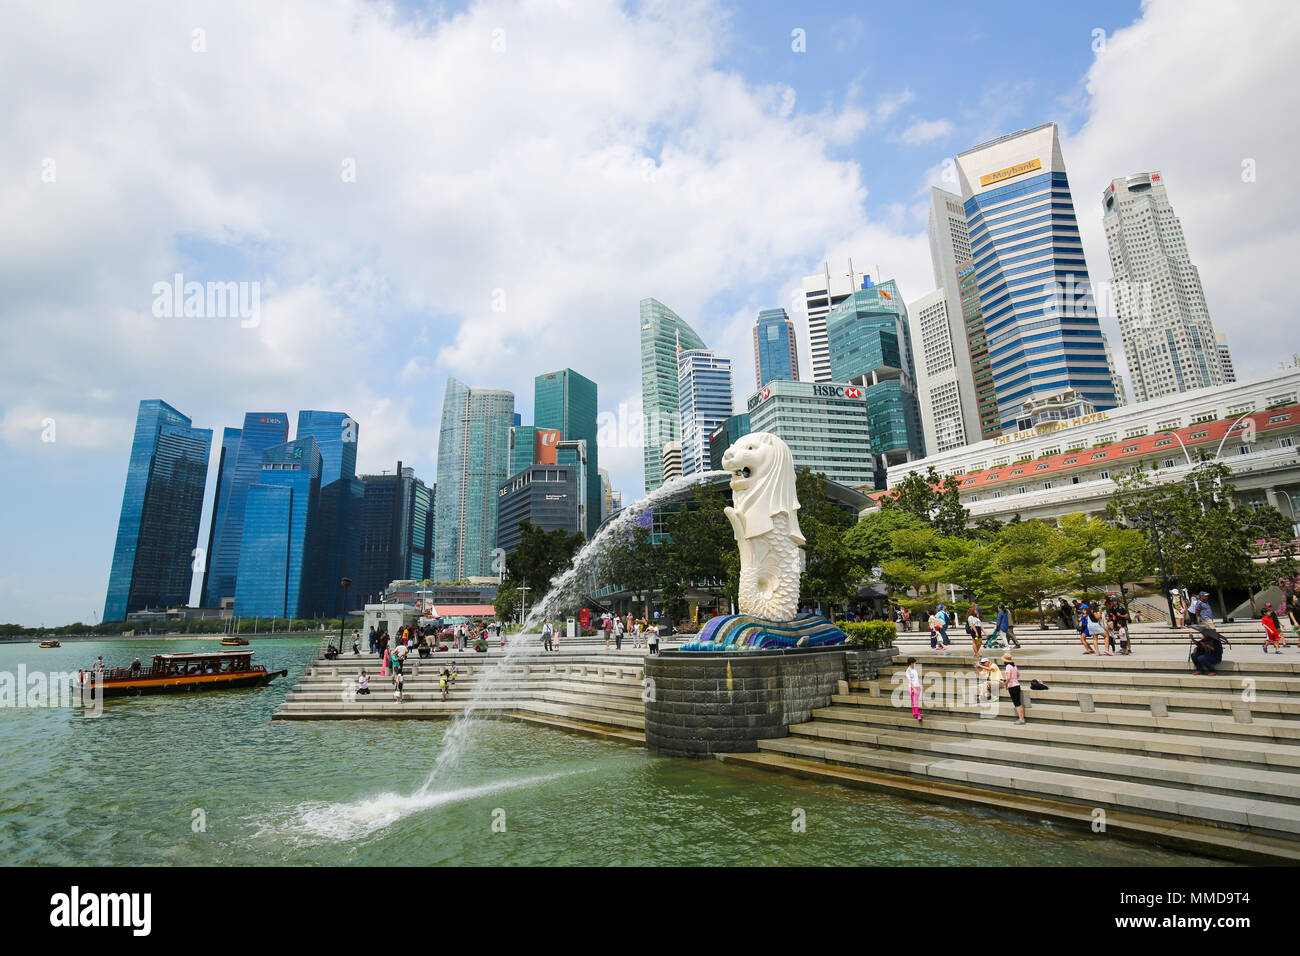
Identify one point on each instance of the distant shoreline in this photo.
(85, 638)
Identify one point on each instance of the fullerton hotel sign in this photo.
(1046, 428)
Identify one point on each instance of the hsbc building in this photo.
(824, 423)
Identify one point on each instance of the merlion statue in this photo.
(765, 519)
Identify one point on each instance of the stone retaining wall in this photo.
(702, 703)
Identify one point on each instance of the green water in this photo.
(124, 788)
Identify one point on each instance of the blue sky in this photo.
(567, 159)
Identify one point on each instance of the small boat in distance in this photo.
(50, 643)
(178, 674)
(234, 642)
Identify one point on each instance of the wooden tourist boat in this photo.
(50, 643)
(234, 642)
(182, 673)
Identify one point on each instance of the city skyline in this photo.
(866, 147)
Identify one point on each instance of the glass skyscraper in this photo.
(241, 465)
(276, 555)
(566, 401)
(338, 542)
(704, 395)
(162, 506)
(662, 333)
(870, 346)
(473, 455)
(776, 355)
(1036, 298)
(397, 532)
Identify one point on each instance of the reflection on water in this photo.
(210, 779)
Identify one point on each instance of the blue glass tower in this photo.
(338, 542)
(776, 355)
(239, 470)
(870, 347)
(1041, 324)
(225, 476)
(162, 506)
(275, 555)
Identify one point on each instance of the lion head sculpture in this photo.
(762, 483)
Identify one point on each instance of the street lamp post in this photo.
(1160, 558)
(343, 615)
(523, 606)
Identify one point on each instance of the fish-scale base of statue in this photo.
(744, 632)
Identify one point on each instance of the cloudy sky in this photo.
(488, 189)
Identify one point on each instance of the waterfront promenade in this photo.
(1136, 745)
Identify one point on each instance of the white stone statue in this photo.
(765, 519)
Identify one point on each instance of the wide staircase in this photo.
(1140, 744)
(1030, 634)
(594, 693)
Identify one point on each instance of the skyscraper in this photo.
(821, 293)
(1035, 295)
(241, 465)
(947, 335)
(338, 542)
(704, 396)
(824, 423)
(776, 354)
(397, 531)
(1169, 340)
(1225, 358)
(566, 401)
(162, 505)
(663, 332)
(278, 546)
(870, 346)
(473, 455)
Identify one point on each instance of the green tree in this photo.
(831, 570)
(1029, 565)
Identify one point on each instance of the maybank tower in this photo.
(1040, 320)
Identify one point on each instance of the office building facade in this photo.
(162, 506)
(1225, 358)
(704, 396)
(663, 333)
(277, 575)
(726, 435)
(241, 466)
(870, 346)
(397, 533)
(822, 292)
(473, 455)
(341, 500)
(1035, 294)
(824, 423)
(1169, 340)
(567, 402)
(546, 496)
(776, 353)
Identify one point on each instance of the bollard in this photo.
(842, 687)
(1159, 707)
(1085, 704)
(1024, 697)
(1241, 712)
(873, 688)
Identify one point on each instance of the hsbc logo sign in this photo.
(837, 391)
(766, 393)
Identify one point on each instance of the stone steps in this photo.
(1259, 815)
(1281, 785)
(1200, 743)
(1260, 728)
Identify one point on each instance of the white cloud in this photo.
(919, 132)
(1193, 93)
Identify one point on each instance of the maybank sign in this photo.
(1011, 172)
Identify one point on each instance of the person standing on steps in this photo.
(913, 674)
(1085, 628)
(618, 633)
(944, 620)
(975, 629)
(1272, 630)
(1199, 611)
(546, 635)
(1011, 676)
